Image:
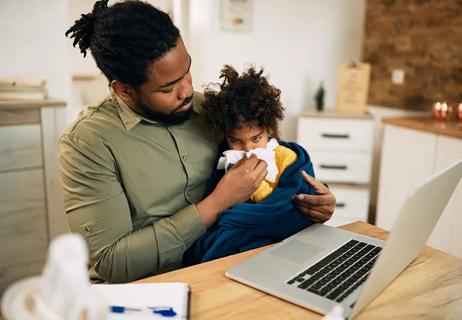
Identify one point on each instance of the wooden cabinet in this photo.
(31, 211)
(340, 147)
(410, 156)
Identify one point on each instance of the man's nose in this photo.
(186, 88)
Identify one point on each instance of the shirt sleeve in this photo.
(98, 209)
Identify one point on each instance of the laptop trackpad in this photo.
(297, 251)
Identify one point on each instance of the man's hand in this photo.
(318, 207)
(237, 185)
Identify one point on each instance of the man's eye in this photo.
(166, 90)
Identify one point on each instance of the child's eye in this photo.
(256, 139)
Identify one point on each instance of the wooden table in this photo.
(430, 288)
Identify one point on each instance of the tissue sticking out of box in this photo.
(63, 292)
(335, 314)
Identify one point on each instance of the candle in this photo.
(459, 112)
(437, 111)
(444, 115)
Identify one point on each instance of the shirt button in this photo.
(188, 193)
(184, 158)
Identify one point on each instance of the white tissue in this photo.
(62, 292)
(65, 286)
(335, 314)
(231, 157)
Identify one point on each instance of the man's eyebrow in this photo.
(168, 84)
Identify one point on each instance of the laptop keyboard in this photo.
(340, 273)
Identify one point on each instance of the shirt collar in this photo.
(130, 118)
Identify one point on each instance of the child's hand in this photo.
(318, 207)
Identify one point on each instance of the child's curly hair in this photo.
(242, 100)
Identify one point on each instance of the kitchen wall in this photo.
(299, 42)
(33, 42)
(419, 37)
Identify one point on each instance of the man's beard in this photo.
(171, 118)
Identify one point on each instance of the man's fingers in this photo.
(318, 207)
(254, 164)
(255, 168)
(327, 209)
(315, 200)
(261, 173)
(247, 163)
(314, 215)
(261, 166)
(239, 163)
(251, 162)
(318, 187)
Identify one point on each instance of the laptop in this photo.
(321, 266)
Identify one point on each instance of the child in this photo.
(245, 114)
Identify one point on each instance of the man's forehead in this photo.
(171, 66)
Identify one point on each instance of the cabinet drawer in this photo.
(345, 167)
(335, 134)
(20, 147)
(352, 205)
(23, 228)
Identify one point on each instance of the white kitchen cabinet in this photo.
(447, 235)
(409, 157)
(340, 147)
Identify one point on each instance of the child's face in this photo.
(247, 138)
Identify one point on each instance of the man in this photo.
(134, 167)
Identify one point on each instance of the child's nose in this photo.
(249, 146)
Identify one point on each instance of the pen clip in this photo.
(163, 311)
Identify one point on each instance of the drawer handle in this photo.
(340, 205)
(335, 136)
(334, 167)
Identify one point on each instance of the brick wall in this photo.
(422, 37)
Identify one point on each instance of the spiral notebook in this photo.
(159, 300)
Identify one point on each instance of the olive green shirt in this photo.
(130, 187)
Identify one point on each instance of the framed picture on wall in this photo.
(236, 15)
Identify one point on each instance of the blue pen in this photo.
(167, 312)
(122, 309)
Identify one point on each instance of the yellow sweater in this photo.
(284, 157)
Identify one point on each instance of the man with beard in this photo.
(134, 167)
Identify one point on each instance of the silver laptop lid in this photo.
(410, 232)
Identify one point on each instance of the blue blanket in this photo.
(248, 225)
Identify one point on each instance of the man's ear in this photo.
(125, 91)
